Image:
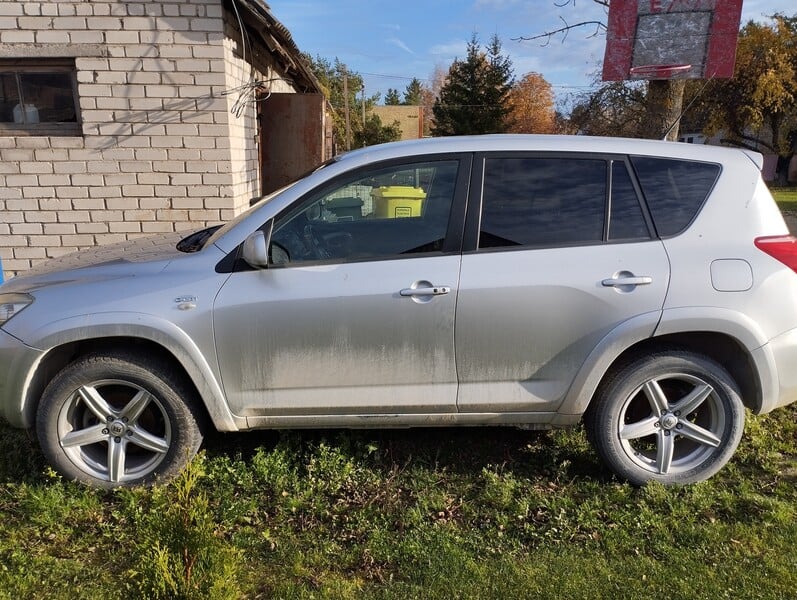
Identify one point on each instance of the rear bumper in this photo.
(17, 366)
(780, 357)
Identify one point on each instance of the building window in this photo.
(38, 97)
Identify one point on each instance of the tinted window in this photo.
(675, 190)
(542, 201)
(378, 213)
(626, 221)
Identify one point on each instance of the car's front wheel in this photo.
(674, 417)
(117, 420)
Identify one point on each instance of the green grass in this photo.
(785, 195)
(459, 513)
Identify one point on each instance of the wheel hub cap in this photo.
(668, 421)
(118, 428)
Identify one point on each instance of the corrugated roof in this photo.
(259, 19)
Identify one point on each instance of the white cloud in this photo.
(399, 44)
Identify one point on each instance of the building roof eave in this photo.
(258, 18)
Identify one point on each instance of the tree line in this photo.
(479, 93)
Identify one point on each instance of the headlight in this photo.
(11, 304)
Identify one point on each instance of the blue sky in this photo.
(391, 42)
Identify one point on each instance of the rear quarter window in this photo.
(675, 190)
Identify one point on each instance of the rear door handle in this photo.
(437, 290)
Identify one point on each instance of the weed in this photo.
(181, 554)
(21, 458)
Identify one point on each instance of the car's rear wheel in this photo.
(674, 417)
(117, 420)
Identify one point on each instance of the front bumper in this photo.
(17, 366)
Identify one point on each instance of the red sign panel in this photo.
(693, 39)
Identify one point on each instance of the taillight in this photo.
(781, 247)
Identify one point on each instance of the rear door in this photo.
(559, 251)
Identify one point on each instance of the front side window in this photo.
(542, 202)
(396, 211)
(38, 97)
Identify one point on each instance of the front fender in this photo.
(154, 329)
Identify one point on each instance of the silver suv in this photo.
(647, 288)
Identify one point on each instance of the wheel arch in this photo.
(726, 349)
(139, 339)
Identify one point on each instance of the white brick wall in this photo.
(160, 150)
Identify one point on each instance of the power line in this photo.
(428, 79)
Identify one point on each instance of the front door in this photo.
(355, 315)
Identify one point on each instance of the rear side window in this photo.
(626, 221)
(542, 202)
(675, 190)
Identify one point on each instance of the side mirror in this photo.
(255, 250)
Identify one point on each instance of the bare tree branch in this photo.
(599, 26)
(740, 140)
(573, 2)
(548, 35)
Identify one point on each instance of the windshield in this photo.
(258, 202)
(230, 224)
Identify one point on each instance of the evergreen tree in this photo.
(474, 99)
(392, 97)
(413, 93)
(376, 132)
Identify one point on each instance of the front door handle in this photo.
(437, 290)
(623, 281)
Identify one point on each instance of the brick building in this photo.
(124, 118)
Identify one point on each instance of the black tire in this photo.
(673, 416)
(118, 420)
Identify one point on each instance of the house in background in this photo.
(124, 118)
(409, 118)
(771, 161)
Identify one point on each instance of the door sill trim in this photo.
(531, 420)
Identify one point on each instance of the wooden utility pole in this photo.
(346, 108)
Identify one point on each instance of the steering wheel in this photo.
(314, 243)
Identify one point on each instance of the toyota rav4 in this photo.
(646, 288)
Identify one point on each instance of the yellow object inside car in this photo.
(398, 201)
